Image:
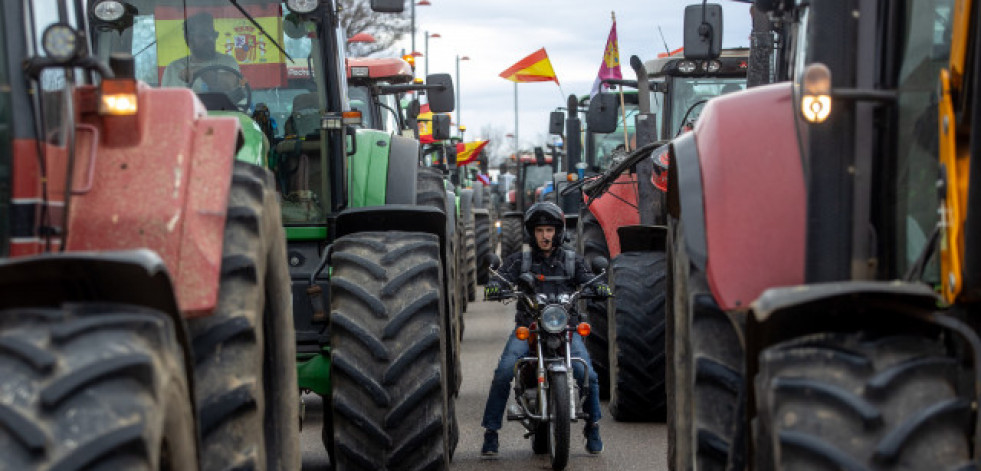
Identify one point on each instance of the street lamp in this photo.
(426, 54)
(459, 118)
(422, 3)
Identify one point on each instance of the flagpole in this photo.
(516, 156)
(623, 108)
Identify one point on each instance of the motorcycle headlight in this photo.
(554, 319)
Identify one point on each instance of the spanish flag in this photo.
(467, 152)
(425, 120)
(534, 68)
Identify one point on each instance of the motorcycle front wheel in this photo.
(558, 420)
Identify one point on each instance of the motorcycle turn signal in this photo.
(583, 329)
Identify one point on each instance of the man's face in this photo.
(545, 237)
(201, 42)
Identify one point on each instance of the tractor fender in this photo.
(616, 208)
(166, 191)
(402, 164)
(368, 169)
(737, 184)
(393, 217)
(642, 238)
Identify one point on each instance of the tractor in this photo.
(822, 245)
(145, 320)
(368, 266)
(623, 216)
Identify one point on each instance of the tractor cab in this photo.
(367, 78)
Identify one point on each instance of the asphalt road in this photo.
(628, 446)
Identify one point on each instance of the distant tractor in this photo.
(531, 174)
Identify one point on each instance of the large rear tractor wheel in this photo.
(845, 401)
(471, 264)
(391, 403)
(637, 370)
(592, 244)
(245, 352)
(706, 370)
(94, 386)
(482, 233)
(512, 235)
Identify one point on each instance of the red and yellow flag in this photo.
(425, 120)
(534, 68)
(467, 152)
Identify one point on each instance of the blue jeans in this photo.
(497, 399)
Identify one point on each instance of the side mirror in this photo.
(441, 127)
(599, 264)
(441, 97)
(703, 31)
(494, 261)
(556, 122)
(450, 155)
(540, 157)
(602, 115)
(388, 6)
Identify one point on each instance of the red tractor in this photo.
(823, 244)
(145, 315)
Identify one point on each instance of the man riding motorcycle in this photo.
(558, 271)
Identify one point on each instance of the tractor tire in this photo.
(471, 267)
(512, 235)
(94, 386)
(245, 352)
(462, 281)
(431, 191)
(848, 401)
(592, 244)
(391, 401)
(637, 362)
(482, 233)
(705, 369)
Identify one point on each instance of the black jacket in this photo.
(553, 266)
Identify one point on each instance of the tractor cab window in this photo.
(360, 97)
(688, 98)
(535, 177)
(262, 66)
(924, 52)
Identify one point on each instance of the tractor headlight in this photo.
(60, 42)
(554, 319)
(687, 67)
(815, 102)
(109, 10)
(302, 6)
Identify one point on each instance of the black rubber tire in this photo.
(430, 188)
(390, 399)
(471, 262)
(705, 358)
(482, 235)
(845, 401)
(245, 352)
(592, 244)
(94, 386)
(539, 441)
(637, 366)
(431, 191)
(512, 235)
(462, 280)
(559, 420)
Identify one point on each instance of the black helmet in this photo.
(544, 214)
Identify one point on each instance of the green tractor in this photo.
(369, 266)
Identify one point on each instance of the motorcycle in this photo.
(547, 397)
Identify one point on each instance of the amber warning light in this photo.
(118, 97)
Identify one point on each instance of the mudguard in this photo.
(403, 161)
(392, 217)
(367, 177)
(642, 238)
(616, 208)
(167, 191)
(738, 184)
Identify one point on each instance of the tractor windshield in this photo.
(535, 177)
(924, 52)
(251, 59)
(689, 95)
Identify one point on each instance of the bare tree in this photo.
(356, 17)
(497, 148)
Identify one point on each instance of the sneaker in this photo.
(490, 443)
(594, 445)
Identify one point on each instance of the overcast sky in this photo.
(496, 34)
